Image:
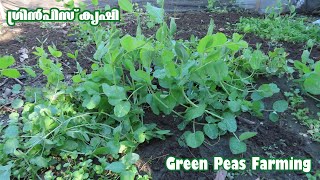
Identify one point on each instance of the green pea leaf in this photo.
(77, 78)
(268, 90)
(92, 102)
(30, 72)
(129, 175)
(117, 167)
(204, 44)
(122, 109)
(115, 93)
(280, 106)
(195, 112)
(194, 140)
(125, 5)
(181, 51)
(10, 145)
(95, 2)
(223, 126)
(312, 84)
(230, 122)
(274, 117)
(6, 61)
(10, 73)
(16, 88)
(141, 76)
(236, 146)
(247, 135)
(113, 147)
(17, 103)
(130, 43)
(234, 106)
(5, 172)
(11, 131)
(155, 13)
(211, 130)
(317, 67)
(173, 26)
(218, 70)
(257, 59)
(40, 161)
(139, 135)
(54, 52)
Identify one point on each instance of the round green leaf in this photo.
(312, 84)
(127, 175)
(230, 121)
(234, 106)
(116, 167)
(6, 61)
(280, 106)
(236, 146)
(211, 130)
(122, 108)
(274, 116)
(93, 102)
(10, 145)
(125, 5)
(11, 131)
(195, 112)
(17, 103)
(195, 140)
(16, 88)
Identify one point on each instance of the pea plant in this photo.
(90, 127)
(7, 71)
(283, 27)
(309, 72)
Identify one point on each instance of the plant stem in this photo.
(194, 105)
(135, 92)
(236, 136)
(313, 97)
(194, 127)
(233, 86)
(224, 88)
(157, 98)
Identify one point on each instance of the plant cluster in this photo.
(277, 27)
(308, 73)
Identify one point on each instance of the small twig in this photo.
(314, 98)
(151, 159)
(18, 81)
(4, 82)
(35, 79)
(246, 120)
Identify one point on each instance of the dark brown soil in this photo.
(281, 139)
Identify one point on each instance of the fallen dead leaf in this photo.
(221, 175)
(23, 54)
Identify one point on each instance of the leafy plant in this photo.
(7, 71)
(309, 72)
(211, 4)
(277, 27)
(5, 63)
